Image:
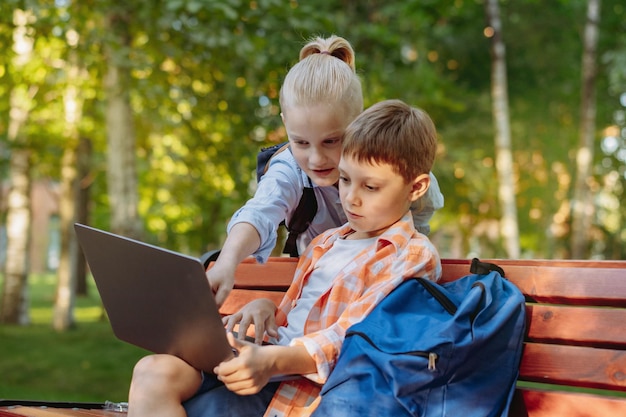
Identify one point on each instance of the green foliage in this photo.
(205, 76)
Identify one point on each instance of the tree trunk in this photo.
(14, 305)
(121, 164)
(15, 290)
(82, 209)
(504, 158)
(582, 204)
(63, 318)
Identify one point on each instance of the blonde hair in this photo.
(326, 75)
(394, 133)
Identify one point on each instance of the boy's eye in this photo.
(343, 179)
(370, 188)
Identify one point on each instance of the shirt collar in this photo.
(397, 234)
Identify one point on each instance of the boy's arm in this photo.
(252, 369)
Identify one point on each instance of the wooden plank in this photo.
(55, 412)
(598, 283)
(276, 273)
(238, 298)
(583, 326)
(537, 403)
(574, 366)
(576, 282)
(573, 263)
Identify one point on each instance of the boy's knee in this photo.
(153, 370)
(163, 376)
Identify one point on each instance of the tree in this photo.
(67, 272)
(582, 203)
(120, 129)
(504, 157)
(15, 290)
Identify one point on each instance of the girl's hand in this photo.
(222, 281)
(259, 313)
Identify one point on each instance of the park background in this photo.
(144, 117)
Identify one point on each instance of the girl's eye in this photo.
(332, 142)
(343, 179)
(370, 188)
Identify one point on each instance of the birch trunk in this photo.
(63, 317)
(509, 228)
(121, 164)
(14, 302)
(582, 204)
(82, 209)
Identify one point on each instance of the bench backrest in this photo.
(576, 331)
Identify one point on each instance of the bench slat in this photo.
(588, 326)
(56, 412)
(602, 285)
(574, 365)
(569, 282)
(276, 273)
(238, 298)
(539, 403)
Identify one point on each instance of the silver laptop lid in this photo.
(155, 298)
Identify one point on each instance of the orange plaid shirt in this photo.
(400, 253)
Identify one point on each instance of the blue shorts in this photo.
(213, 399)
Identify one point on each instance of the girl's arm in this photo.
(241, 242)
(252, 229)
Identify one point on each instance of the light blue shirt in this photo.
(279, 192)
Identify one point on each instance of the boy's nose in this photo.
(351, 197)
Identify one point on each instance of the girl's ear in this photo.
(419, 186)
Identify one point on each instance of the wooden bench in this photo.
(574, 360)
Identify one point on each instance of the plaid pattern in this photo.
(399, 253)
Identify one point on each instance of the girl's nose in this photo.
(316, 157)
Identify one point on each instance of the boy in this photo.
(387, 154)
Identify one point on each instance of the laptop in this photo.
(155, 298)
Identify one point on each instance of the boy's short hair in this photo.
(394, 133)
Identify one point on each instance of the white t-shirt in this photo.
(319, 281)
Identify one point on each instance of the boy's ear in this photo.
(419, 186)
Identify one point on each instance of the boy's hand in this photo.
(259, 313)
(249, 371)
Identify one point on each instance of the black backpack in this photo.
(306, 209)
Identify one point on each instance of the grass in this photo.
(87, 363)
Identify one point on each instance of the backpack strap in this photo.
(264, 157)
(307, 206)
(302, 216)
(483, 268)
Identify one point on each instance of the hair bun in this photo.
(334, 46)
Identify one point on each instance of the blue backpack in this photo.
(432, 350)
